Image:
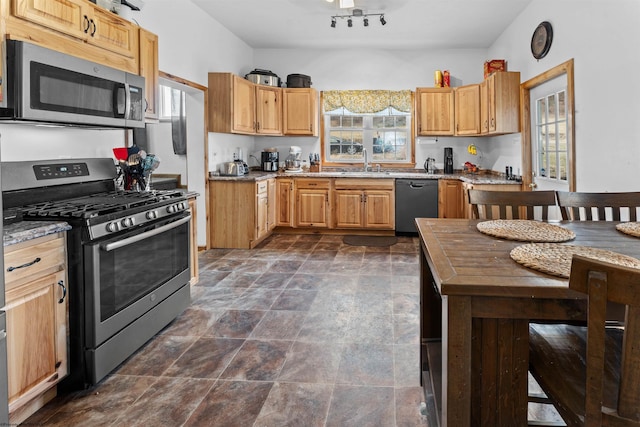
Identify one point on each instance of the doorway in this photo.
(548, 130)
(193, 166)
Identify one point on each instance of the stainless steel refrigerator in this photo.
(4, 388)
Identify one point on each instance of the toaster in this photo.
(232, 169)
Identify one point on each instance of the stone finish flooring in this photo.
(301, 331)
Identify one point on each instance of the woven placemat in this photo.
(630, 228)
(525, 230)
(555, 258)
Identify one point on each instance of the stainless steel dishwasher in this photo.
(415, 198)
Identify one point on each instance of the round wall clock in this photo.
(541, 40)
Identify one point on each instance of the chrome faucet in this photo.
(366, 161)
(377, 167)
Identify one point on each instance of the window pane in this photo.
(562, 113)
(551, 105)
(542, 111)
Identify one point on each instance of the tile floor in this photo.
(301, 331)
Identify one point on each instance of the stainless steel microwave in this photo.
(42, 85)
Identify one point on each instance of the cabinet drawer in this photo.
(261, 187)
(323, 184)
(30, 260)
(364, 184)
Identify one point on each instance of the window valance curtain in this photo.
(367, 101)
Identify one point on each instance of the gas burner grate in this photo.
(97, 204)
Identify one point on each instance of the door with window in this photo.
(549, 136)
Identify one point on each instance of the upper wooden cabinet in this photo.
(467, 110)
(500, 103)
(76, 27)
(149, 70)
(300, 112)
(237, 105)
(435, 111)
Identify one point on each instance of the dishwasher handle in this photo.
(412, 185)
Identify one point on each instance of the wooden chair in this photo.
(572, 203)
(592, 373)
(508, 203)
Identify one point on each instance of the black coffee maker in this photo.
(270, 160)
(448, 160)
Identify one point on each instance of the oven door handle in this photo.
(133, 239)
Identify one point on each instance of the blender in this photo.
(293, 160)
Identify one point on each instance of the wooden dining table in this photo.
(476, 304)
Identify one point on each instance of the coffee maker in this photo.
(448, 160)
(270, 160)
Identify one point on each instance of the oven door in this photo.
(128, 275)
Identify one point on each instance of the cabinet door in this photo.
(36, 337)
(66, 16)
(379, 209)
(312, 208)
(284, 208)
(435, 111)
(113, 33)
(271, 204)
(300, 112)
(244, 106)
(349, 209)
(262, 215)
(268, 110)
(467, 110)
(149, 70)
(450, 197)
(504, 102)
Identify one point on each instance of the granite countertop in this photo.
(410, 174)
(22, 231)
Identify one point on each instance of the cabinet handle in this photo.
(493, 122)
(29, 264)
(64, 291)
(87, 24)
(93, 27)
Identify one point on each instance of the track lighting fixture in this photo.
(357, 13)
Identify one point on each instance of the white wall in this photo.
(602, 36)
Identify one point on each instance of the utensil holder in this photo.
(315, 168)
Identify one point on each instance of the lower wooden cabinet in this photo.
(466, 207)
(37, 322)
(312, 203)
(243, 212)
(284, 202)
(365, 204)
(450, 198)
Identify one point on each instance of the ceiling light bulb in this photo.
(366, 22)
(382, 20)
(333, 23)
(349, 23)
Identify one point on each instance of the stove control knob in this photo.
(152, 215)
(171, 209)
(182, 206)
(112, 227)
(127, 222)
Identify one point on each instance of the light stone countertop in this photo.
(409, 174)
(22, 231)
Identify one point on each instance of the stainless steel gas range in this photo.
(128, 256)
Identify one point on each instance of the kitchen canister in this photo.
(437, 78)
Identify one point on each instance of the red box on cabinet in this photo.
(494, 65)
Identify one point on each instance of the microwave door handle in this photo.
(119, 93)
(127, 101)
(138, 237)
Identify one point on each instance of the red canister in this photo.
(446, 78)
